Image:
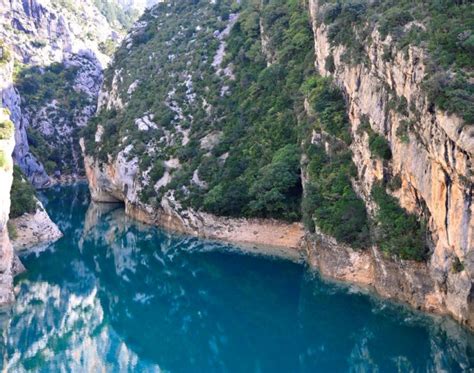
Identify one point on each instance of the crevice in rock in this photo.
(446, 204)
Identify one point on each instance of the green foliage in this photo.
(379, 146)
(444, 28)
(256, 119)
(39, 86)
(115, 14)
(329, 64)
(38, 43)
(12, 232)
(457, 266)
(7, 129)
(48, 154)
(22, 195)
(327, 101)
(395, 183)
(227, 198)
(398, 232)
(6, 54)
(277, 190)
(394, 19)
(402, 131)
(330, 202)
(157, 171)
(51, 90)
(3, 160)
(451, 95)
(108, 47)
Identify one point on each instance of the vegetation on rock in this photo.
(5, 53)
(444, 28)
(7, 129)
(379, 146)
(398, 233)
(115, 14)
(240, 133)
(250, 110)
(22, 195)
(49, 95)
(330, 201)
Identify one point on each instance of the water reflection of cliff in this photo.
(115, 295)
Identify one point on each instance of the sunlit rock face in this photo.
(116, 295)
(40, 33)
(78, 37)
(434, 166)
(9, 263)
(6, 251)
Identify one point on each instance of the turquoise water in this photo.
(114, 295)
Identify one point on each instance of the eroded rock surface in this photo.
(434, 165)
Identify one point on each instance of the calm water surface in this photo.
(114, 295)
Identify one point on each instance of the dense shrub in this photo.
(3, 160)
(379, 146)
(277, 190)
(7, 129)
(256, 121)
(398, 233)
(157, 171)
(6, 54)
(22, 195)
(39, 88)
(327, 101)
(403, 129)
(447, 34)
(115, 14)
(330, 201)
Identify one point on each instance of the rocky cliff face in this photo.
(434, 165)
(31, 228)
(9, 263)
(60, 50)
(6, 250)
(178, 129)
(115, 183)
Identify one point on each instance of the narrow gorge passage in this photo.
(114, 294)
(294, 182)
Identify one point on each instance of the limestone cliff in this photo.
(61, 50)
(226, 134)
(115, 183)
(434, 165)
(9, 263)
(31, 228)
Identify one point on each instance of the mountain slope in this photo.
(323, 114)
(60, 50)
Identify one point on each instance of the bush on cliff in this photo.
(398, 232)
(5, 54)
(22, 195)
(328, 103)
(330, 201)
(7, 129)
(444, 28)
(379, 146)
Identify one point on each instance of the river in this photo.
(115, 295)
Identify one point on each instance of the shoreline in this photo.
(400, 281)
(396, 281)
(251, 235)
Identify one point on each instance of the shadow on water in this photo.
(120, 296)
